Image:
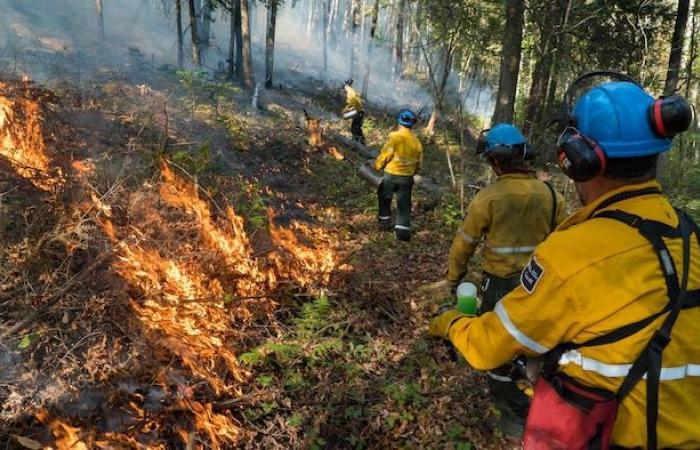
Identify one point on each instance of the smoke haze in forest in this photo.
(58, 39)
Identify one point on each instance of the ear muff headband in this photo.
(566, 103)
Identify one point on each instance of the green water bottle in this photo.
(466, 298)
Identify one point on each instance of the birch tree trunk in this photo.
(325, 31)
(370, 45)
(398, 42)
(100, 22)
(355, 17)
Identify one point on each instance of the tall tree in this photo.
(674, 60)
(236, 42)
(355, 20)
(196, 57)
(398, 41)
(248, 81)
(370, 47)
(178, 24)
(270, 41)
(551, 18)
(205, 20)
(510, 61)
(326, 25)
(100, 22)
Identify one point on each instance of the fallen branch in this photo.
(53, 299)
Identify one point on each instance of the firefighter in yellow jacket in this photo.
(400, 159)
(512, 215)
(596, 275)
(354, 110)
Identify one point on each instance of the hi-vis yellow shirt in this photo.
(588, 278)
(401, 155)
(514, 214)
(352, 100)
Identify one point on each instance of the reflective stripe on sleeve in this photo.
(500, 378)
(511, 250)
(621, 370)
(402, 227)
(384, 217)
(518, 335)
(465, 236)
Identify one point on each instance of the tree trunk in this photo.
(370, 45)
(100, 22)
(270, 41)
(548, 45)
(231, 68)
(248, 81)
(196, 58)
(674, 60)
(205, 24)
(510, 61)
(355, 17)
(439, 88)
(180, 44)
(238, 38)
(398, 42)
(325, 31)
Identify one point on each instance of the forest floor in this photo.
(187, 272)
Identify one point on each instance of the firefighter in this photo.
(354, 110)
(400, 159)
(595, 296)
(513, 215)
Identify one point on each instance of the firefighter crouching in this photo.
(401, 158)
(512, 215)
(610, 292)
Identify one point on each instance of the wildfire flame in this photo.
(22, 142)
(66, 436)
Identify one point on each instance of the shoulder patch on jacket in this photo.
(531, 275)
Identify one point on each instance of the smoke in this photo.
(58, 39)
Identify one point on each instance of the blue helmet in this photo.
(406, 118)
(503, 134)
(616, 116)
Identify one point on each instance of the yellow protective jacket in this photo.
(588, 278)
(401, 155)
(352, 100)
(514, 214)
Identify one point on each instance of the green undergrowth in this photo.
(321, 367)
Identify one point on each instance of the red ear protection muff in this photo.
(670, 116)
(579, 156)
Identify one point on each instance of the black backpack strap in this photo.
(649, 361)
(553, 218)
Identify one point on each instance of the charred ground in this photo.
(198, 277)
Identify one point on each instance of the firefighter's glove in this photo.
(440, 325)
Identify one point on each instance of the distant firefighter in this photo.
(354, 110)
(400, 159)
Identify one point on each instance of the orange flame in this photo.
(67, 437)
(22, 142)
(314, 265)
